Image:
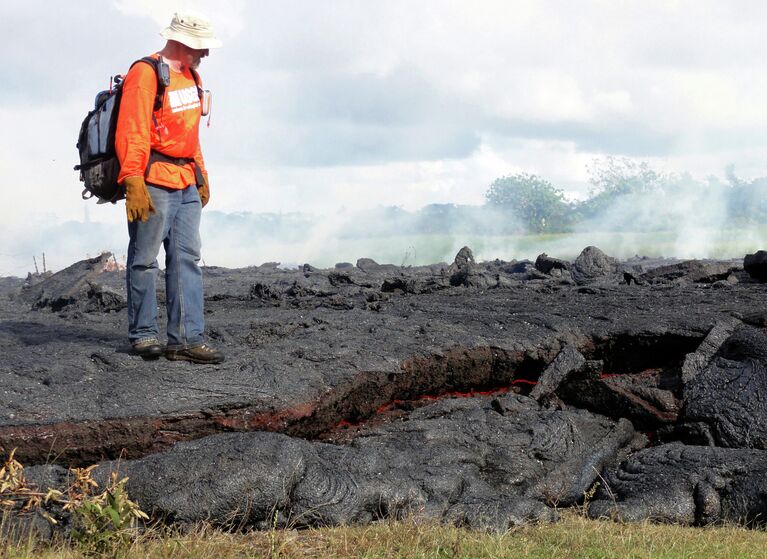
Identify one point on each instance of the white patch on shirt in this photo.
(184, 99)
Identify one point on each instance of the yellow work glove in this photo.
(138, 203)
(204, 190)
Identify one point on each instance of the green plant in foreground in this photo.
(102, 522)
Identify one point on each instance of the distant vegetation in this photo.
(630, 209)
(533, 201)
(625, 195)
(630, 195)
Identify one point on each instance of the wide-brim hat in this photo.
(192, 30)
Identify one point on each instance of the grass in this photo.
(573, 537)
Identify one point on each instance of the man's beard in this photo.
(192, 65)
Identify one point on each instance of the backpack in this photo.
(99, 166)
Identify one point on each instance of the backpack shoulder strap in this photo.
(155, 64)
(196, 78)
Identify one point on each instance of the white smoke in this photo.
(674, 215)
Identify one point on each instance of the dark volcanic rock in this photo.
(303, 354)
(33, 526)
(694, 271)
(475, 461)
(756, 265)
(643, 397)
(697, 361)
(75, 286)
(102, 298)
(464, 259)
(632, 381)
(462, 268)
(730, 394)
(686, 485)
(356, 355)
(545, 263)
(9, 285)
(510, 444)
(566, 363)
(371, 266)
(515, 267)
(344, 265)
(593, 264)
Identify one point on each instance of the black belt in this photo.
(155, 156)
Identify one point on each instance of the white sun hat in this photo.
(193, 30)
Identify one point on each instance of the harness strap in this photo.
(155, 156)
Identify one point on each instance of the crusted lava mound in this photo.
(687, 485)
(481, 462)
(484, 394)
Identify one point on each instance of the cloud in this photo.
(356, 103)
(344, 119)
(61, 50)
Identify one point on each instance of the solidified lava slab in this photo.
(686, 484)
(307, 349)
(483, 394)
(476, 461)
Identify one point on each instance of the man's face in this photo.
(193, 57)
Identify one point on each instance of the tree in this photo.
(618, 177)
(534, 201)
(746, 199)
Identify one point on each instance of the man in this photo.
(166, 187)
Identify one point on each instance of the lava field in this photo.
(484, 394)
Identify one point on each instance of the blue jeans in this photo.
(177, 226)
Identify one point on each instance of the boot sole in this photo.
(182, 357)
(150, 353)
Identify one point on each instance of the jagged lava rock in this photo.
(309, 351)
(593, 264)
(686, 485)
(566, 363)
(756, 265)
(76, 286)
(693, 271)
(308, 348)
(479, 462)
(729, 396)
(545, 263)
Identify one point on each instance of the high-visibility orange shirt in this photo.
(174, 130)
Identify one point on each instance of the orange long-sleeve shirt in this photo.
(174, 131)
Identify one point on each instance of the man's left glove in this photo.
(204, 190)
(138, 202)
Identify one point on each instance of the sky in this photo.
(336, 105)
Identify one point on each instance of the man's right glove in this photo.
(138, 203)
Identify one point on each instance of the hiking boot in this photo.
(198, 354)
(148, 349)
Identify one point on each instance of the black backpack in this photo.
(99, 167)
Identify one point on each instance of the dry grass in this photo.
(574, 537)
